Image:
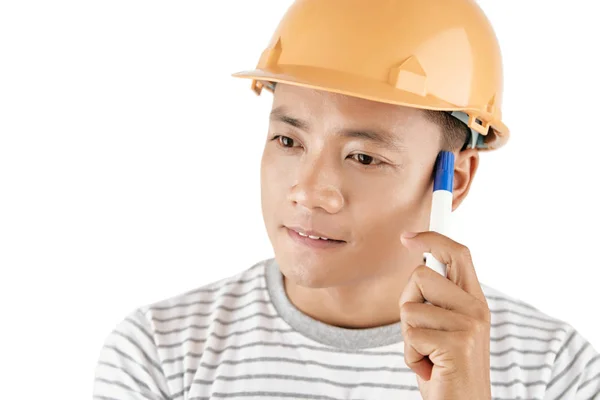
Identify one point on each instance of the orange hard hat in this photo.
(429, 54)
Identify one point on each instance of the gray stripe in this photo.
(529, 316)
(238, 295)
(181, 374)
(566, 344)
(268, 316)
(180, 393)
(593, 360)
(329, 366)
(346, 385)
(584, 384)
(306, 346)
(325, 349)
(564, 371)
(539, 328)
(270, 330)
(216, 320)
(592, 379)
(146, 356)
(222, 337)
(122, 385)
(290, 346)
(269, 395)
(304, 362)
(307, 379)
(210, 312)
(96, 397)
(232, 309)
(125, 372)
(510, 335)
(141, 328)
(128, 357)
(523, 367)
(493, 368)
(235, 295)
(518, 382)
(573, 382)
(516, 398)
(518, 303)
(594, 396)
(503, 352)
(266, 344)
(208, 290)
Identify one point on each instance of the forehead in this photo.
(337, 108)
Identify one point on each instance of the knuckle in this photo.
(483, 313)
(477, 327)
(407, 354)
(468, 346)
(405, 310)
(480, 311)
(463, 252)
(421, 272)
(409, 334)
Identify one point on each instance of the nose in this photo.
(317, 187)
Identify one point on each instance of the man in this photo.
(366, 94)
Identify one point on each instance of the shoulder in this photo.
(212, 298)
(542, 349)
(142, 350)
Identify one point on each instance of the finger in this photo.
(457, 257)
(427, 285)
(420, 364)
(420, 315)
(438, 346)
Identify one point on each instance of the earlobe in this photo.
(465, 167)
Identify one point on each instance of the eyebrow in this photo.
(378, 137)
(280, 114)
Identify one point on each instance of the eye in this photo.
(367, 160)
(284, 141)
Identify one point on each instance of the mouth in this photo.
(313, 239)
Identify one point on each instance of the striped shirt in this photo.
(241, 338)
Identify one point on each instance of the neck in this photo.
(371, 303)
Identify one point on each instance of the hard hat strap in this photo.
(474, 139)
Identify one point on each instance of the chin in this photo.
(306, 272)
(316, 271)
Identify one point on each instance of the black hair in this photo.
(455, 133)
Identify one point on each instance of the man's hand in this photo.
(446, 342)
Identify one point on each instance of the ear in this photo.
(465, 166)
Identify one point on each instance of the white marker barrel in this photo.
(441, 211)
(441, 205)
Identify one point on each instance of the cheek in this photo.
(387, 208)
(275, 179)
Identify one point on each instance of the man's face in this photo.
(353, 170)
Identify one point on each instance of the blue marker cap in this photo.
(444, 172)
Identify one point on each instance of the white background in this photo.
(129, 168)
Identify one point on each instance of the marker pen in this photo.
(441, 207)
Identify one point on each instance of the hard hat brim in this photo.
(351, 85)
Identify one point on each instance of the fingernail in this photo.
(409, 235)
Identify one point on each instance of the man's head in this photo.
(355, 171)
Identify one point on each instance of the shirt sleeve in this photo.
(576, 370)
(129, 367)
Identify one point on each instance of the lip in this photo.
(312, 233)
(314, 243)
